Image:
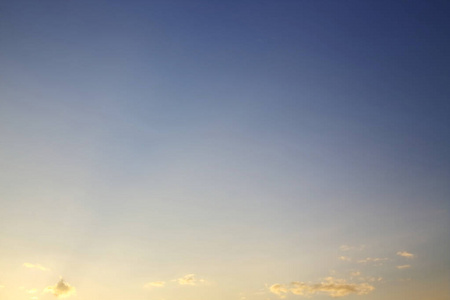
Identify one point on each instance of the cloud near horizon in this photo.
(330, 286)
(405, 254)
(36, 266)
(62, 289)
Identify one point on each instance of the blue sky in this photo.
(224, 149)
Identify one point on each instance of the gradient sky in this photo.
(224, 150)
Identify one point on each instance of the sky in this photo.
(224, 150)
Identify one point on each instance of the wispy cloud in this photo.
(404, 267)
(32, 291)
(373, 279)
(355, 273)
(36, 266)
(345, 258)
(189, 279)
(372, 260)
(62, 289)
(330, 286)
(2, 286)
(154, 284)
(405, 254)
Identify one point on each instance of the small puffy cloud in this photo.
(345, 258)
(35, 266)
(62, 289)
(403, 267)
(405, 254)
(189, 279)
(32, 291)
(355, 273)
(154, 284)
(330, 286)
(351, 248)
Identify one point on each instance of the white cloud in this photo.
(330, 286)
(404, 267)
(62, 289)
(154, 284)
(36, 266)
(405, 254)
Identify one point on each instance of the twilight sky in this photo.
(224, 150)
